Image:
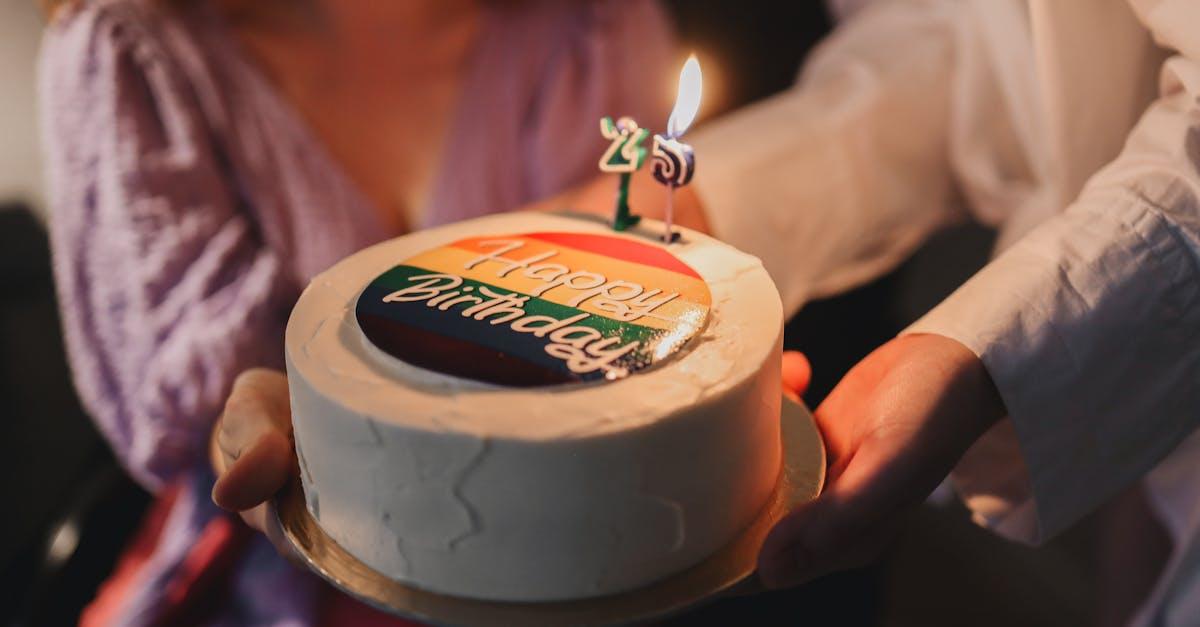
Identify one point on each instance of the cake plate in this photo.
(731, 568)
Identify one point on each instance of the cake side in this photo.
(537, 494)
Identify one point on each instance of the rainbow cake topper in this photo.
(521, 310)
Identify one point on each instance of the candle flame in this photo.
(687, 102)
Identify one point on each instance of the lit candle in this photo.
(625, 155)
(675, 161)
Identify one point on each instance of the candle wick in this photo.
(670, 213)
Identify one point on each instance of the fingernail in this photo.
(225, 491)
(218, 493)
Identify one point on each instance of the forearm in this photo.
(838, 179)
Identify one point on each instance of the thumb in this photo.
(252, 448)
(256, 475)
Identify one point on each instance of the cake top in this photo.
(738, 322)
(538, 308)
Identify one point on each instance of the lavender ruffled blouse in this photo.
(190, 205)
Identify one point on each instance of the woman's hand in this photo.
(252, 451)
(894, 428)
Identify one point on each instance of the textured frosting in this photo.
(534, 494)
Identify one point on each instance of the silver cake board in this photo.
(801, 480)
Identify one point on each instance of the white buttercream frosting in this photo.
(534, 494)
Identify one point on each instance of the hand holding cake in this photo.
(252, 452)
(893, 428)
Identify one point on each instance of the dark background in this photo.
(69, 508)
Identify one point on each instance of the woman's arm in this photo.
(166, 288)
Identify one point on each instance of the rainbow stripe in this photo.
(454, 333)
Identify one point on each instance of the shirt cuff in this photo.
(1088, 329)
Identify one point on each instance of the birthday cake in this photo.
(532, 407)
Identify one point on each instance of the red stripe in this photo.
(618, 248)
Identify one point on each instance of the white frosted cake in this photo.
(532, 407)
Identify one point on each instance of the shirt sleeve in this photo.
(1090, 328)
(840, 178)
(165, 286)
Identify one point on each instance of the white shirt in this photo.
(1074, 127)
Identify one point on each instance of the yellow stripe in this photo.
(453, 260)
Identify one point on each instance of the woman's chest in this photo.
(381, 116)
(387, 133)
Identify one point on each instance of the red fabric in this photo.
(196, 584)
(201, 581)
(110, 597)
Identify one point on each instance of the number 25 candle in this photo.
(625, 155)
(675, 161)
